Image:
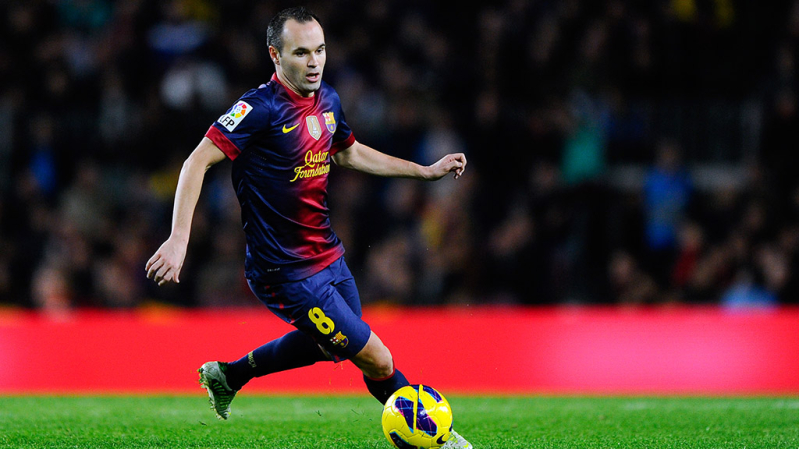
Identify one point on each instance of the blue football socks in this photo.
(382, 389)
(293, 350)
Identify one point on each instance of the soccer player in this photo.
(281, 138)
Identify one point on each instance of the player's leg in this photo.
(374, 360)
(382, 379)
(223, 380)
(293, 350)
(327, 329)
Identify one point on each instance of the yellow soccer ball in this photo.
(417, 417)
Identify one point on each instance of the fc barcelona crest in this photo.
(313, 127)
(330, 121)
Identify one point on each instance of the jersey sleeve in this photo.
(233, 130)
(343, 137)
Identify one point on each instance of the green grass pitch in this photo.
(341, 422)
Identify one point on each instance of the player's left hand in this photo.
(451, 163)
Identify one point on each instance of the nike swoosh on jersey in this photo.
(288, 130)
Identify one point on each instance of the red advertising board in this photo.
(486, 350)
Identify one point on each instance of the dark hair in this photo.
(274, 32)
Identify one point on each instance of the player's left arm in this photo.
(366, 159)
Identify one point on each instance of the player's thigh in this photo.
(315, 306)
(345, 285)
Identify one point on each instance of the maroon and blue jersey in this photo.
(281, 146)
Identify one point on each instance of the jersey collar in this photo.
(297, 98)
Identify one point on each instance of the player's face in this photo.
(303, 57)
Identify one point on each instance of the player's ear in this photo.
(274, 54)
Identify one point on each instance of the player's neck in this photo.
(285, 82)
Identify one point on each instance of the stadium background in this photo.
(626, 158)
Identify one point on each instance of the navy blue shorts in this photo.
(325, 306)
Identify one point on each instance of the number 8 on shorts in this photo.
(323, 323)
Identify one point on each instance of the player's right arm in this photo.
(165, 265)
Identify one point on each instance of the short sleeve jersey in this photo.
(281, 146)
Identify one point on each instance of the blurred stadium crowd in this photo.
(620, 152)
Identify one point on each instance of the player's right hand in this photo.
(166, 263)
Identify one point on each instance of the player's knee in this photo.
(375, 360)
(383, 367)
(378, 364)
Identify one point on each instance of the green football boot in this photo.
(456, 441)
(212, 378)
